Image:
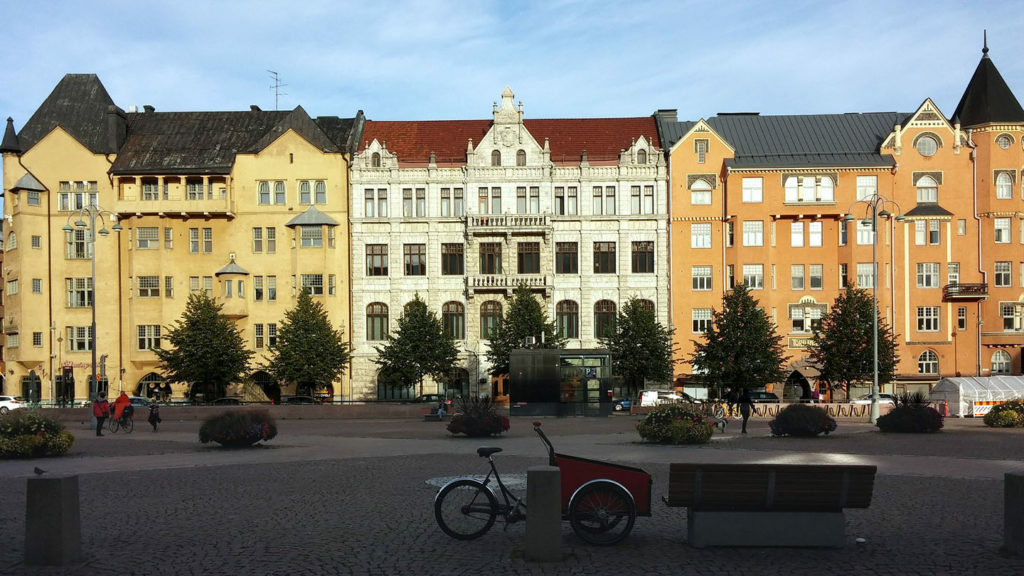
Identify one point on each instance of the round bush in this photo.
(238, 429)
(1007, 415)
(26, 434)
(802, 420)
(911, 418)
(477, 417)
(675, 424)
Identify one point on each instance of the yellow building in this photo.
(250, 207)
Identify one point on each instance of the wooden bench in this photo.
(768, 504)
(431, 416)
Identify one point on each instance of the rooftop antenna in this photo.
(276, 87)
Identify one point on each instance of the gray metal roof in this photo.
(312, 217)
(231, 268)
(28, 182)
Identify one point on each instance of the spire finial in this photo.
(984, 50)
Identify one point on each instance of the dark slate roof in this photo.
(312, 217)
(10, 141)
(345, 132)
(928, 210)
(78, 104)
(300, 122)
(987, 98)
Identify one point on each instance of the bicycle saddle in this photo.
(486, 451)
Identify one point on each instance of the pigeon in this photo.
(39, 471)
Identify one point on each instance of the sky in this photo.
(451, 59)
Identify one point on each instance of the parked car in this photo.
(622, 405)
(8, 403)
(882, 399)
(227, 402)
(434, 399)
(299, 400)
(763, 397)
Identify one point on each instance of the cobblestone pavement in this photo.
(352, 497)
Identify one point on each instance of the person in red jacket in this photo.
(101, 410)
(120, 404)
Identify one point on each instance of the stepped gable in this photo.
(79, 104)
(987, 98)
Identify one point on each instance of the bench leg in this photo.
(765, 528)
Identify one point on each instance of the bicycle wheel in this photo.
(128, 425)
(602, 513)
(112, 424)
(717, 411)
(465, 509)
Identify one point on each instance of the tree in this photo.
(843, 347)
(309, 351)
(418, 348)
(523, 319)
(740, 348)
(206, 349)
(641, 347)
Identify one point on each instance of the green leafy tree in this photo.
(309, 351)
(641, 346)
(843, 347)
(419, 347)
(206, 349)
(740, 348)
(523, 318)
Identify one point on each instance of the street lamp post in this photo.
(92, 211)
(876, 203)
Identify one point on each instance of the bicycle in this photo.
(126, 423)
(467, 508)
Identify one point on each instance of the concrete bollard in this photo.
(1013, 514)
(544, 514)
(53, 528)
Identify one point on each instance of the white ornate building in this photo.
(464, 211)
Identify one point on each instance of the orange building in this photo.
(763, 200)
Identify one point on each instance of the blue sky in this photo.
(563, 58)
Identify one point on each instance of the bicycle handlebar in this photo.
(551, 449)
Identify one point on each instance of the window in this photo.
(407, 202)
(304, 192)
(376, 259)
(257, 240)
(701, 278)
(258, 337)
(814, 238)
(521, 200)
(453, 318)
(37, 339)
(753, 190)
(865, 275)
(147, 238)
(1004, 141)
(194, 189)
(1004, 186)
(604, 257)
(934, 232)
(421, 203)
(926, 145)
(567, 317)
(77, 248)
(208, 285)
(257, 288)
(700, 147)
(271, 288)
(12, 287)
(1002, 276)
(79, 338)
(207, 240)
(79, 292)
(193, 240)
(193, 284)
(566, 201)
(37, 242)
(311, 236)
(1001, 362)
(604, 200)
(490, 258)
(730, 276)
(494, 196)
(700, 193)
(961, 318)
(867, 187)
(529, 258)
(37, 285)
(753, 233)
(375, 160)
(521, 158)
(279, 192)
(928, 318)
(961, 227)
(375, 202)
(272, 335)
(927, 275)
(796, 234)
(807, 187)
(634, 200)
(314, 283)
(77, 195)
(566, 258)
(865, 233)
(1002, 230)
(729, 233)
(13, 340)
(495, 158)
(271, 240)
(490, 315)
(641, 156)
(376, 321)
(826, 190)
(318, 189)
(604, 318)
(797, 275)
(816, 273)
(648, 199)
(928, 363)
(701, 320)
(149, 336)
(753, 276)
(700, 235)
(149, 286)
(927, 190)
(168, 286)
(446, 202)
(458, 206)
(452, 259)
(1011, 313)
(643, 257)
(415, 259)
(843, 234)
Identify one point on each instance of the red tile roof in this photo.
(602, 138)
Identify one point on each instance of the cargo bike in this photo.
(600, 500)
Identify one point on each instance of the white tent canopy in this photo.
(975, 396)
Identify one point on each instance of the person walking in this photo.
(154, 415)
(731, 398)
(746, 405)
(101, 410)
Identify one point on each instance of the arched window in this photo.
(389, 389)
(928, 363)
(604, 318)
(641, 156)
(1000, 362)
(567, 316)
(927, 145)
(376, 321)
(827, 189)
(490, 314)
(375, 160)
(927, 190)
(807, 185)
(453, 318)
(495, 158)
(646, 305)
(1004, 186)
(700, 192)
(521, 158)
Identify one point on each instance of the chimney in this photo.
(117, 128)
(148, 108)
(254, 108)
(666, 115)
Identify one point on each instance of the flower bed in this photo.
(675, 424)
(477, 417)
(1007, 415)
(25, 434)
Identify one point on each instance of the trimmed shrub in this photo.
(802, 420)
(675, 424)
(238, 428)
(477, 417)
(27, 434)
(1006, 415)
(911, 414)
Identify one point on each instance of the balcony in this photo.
(964, 292)
(507, 283)
(508, 224)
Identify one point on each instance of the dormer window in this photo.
(495, 158)
(375, 160)
(926, 145)
(521, 158)
(641, 157)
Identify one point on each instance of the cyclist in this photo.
(120, 405)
